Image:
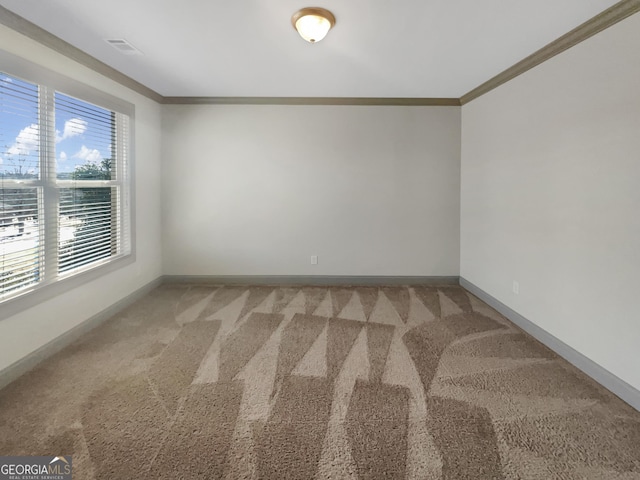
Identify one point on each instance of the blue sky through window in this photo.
(84, 132)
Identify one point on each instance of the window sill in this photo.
(31, 298)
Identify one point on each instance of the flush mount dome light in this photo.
(313, 23)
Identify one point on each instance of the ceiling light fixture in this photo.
(313, 23)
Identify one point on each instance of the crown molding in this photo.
(407, 102)
(31, 30)
(600, 22)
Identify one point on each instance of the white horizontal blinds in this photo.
(85, 140)
(89, 227)
(19, 129)
(20, 240)
(21, 247)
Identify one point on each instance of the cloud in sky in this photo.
(88, 154)
(63, 156)
(26, 141)
(72, 128)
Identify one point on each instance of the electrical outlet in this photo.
(516, 287)
(314, 259)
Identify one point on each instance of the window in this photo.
(64, 183)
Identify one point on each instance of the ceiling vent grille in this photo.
(123, 46)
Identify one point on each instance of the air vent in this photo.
(123, 46)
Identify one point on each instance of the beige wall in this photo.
(257, 190)
(550, 195)
(25, 332)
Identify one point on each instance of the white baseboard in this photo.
(604, 377)
(316, 280)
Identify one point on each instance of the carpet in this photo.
(195, 382)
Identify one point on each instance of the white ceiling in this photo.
(378, 48)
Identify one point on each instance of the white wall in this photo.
(257, 190)
(25, 332)
(551, 196)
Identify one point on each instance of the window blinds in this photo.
(21, 247)
(63, 186)
(89, 201)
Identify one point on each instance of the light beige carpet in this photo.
(314, 383)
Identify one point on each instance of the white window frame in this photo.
(53, 284)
